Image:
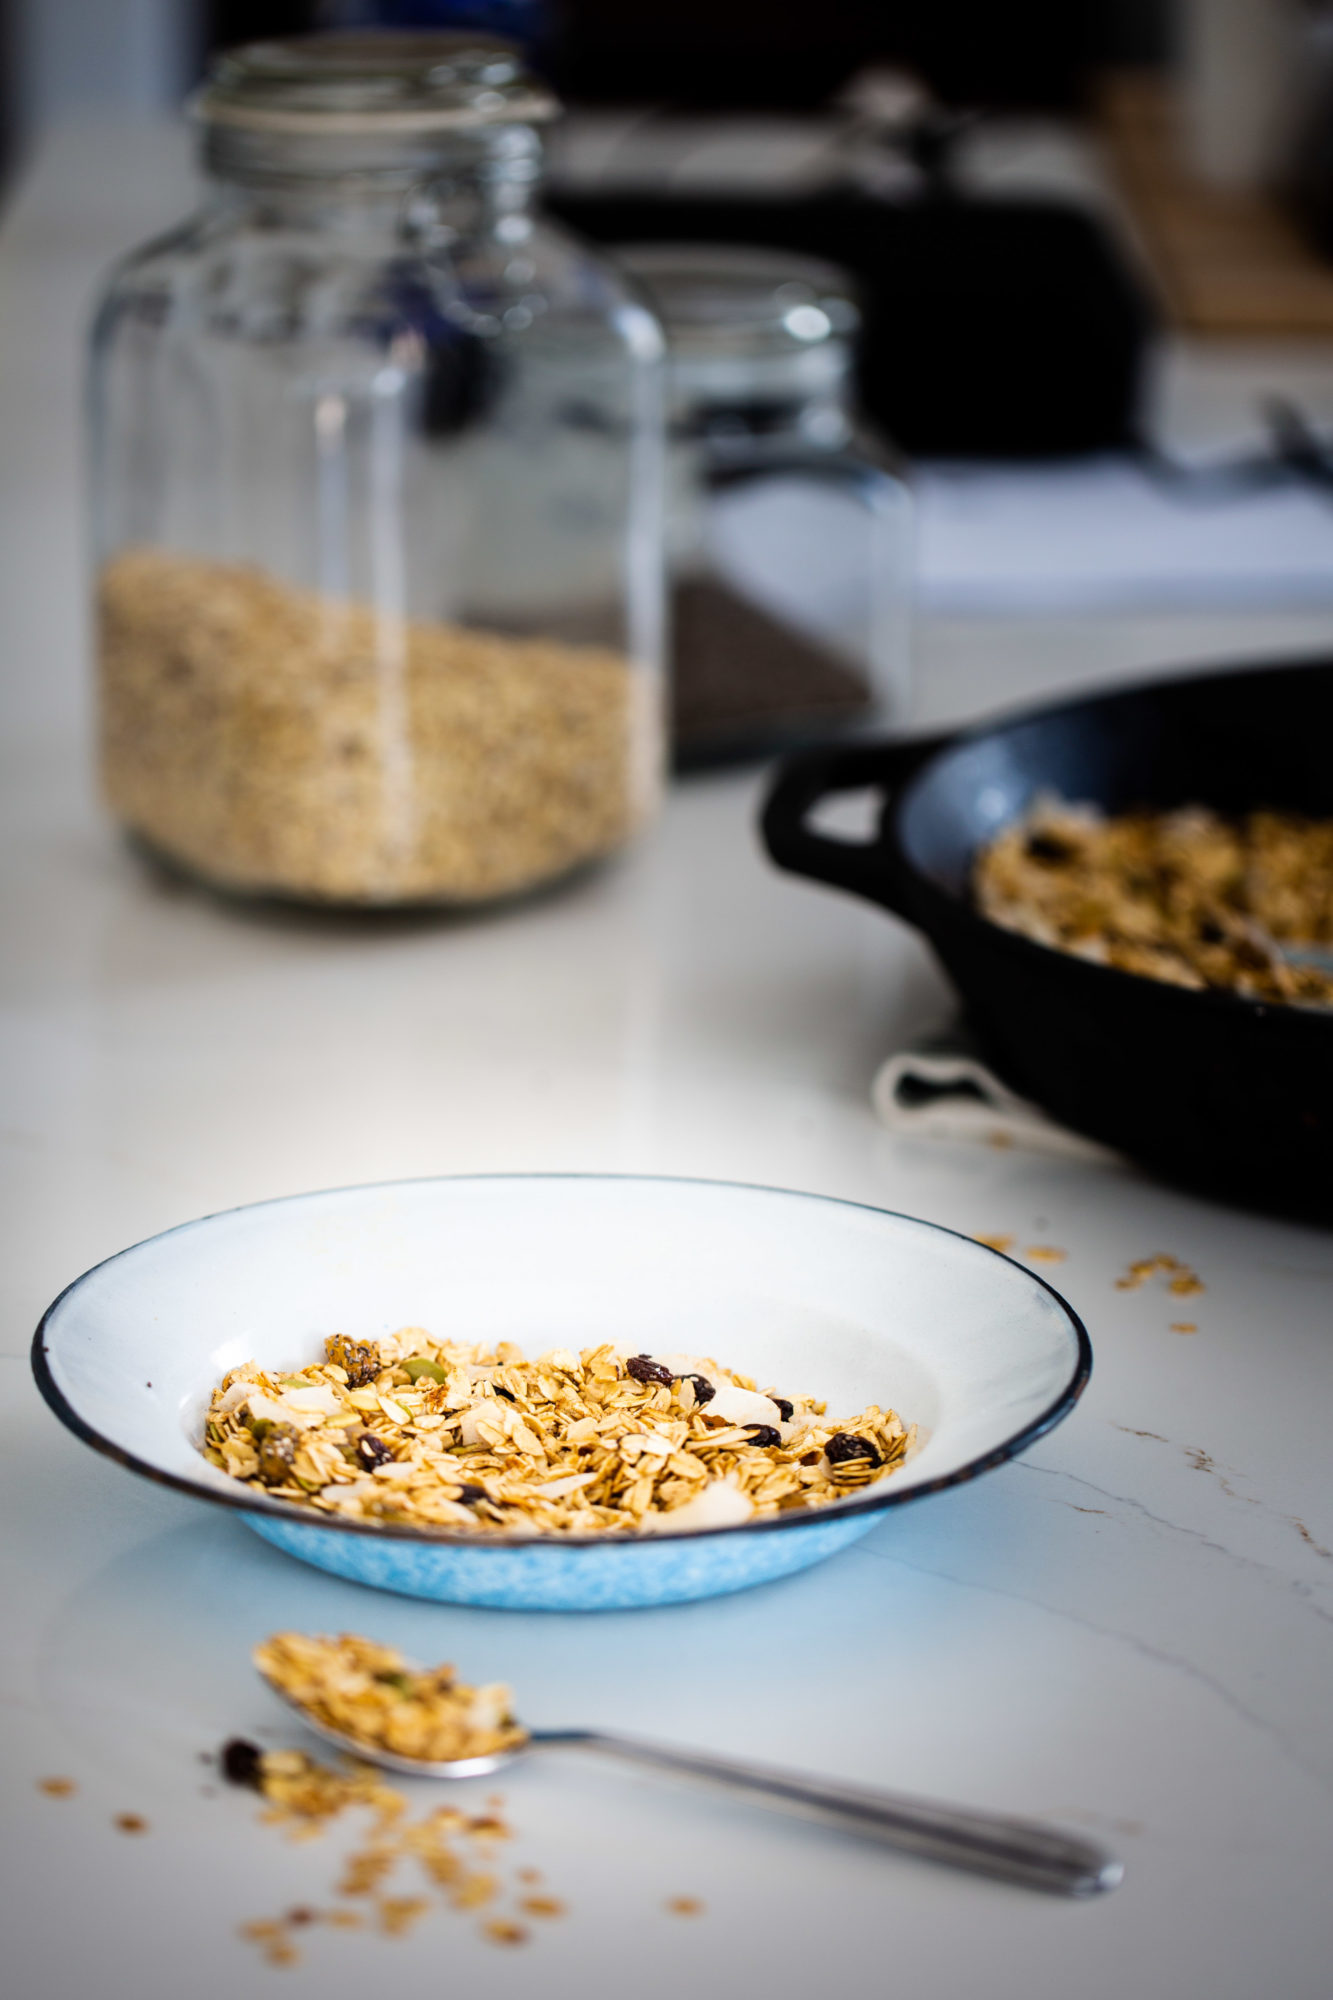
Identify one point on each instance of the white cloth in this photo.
(939, 1088)
(1102, 533)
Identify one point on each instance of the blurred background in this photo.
(1091, 239)
(140, 55)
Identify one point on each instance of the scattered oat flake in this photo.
(685, 1906)
(131, 1823)
(1044, 1253)
(502, 1930)
(57, 1788)
(303, 1795)
(998, 1242)
(473, 1891)
(1183, 1326)
(1180, 1279)
(542, 1906)
(397, 1914)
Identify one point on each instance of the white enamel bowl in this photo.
(812, 1296)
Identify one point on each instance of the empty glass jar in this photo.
(788, 523)
(376, 485)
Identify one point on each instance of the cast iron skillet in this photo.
(1229, 1095)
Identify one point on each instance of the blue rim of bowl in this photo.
(249, 1502)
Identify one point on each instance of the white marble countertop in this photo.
(1130, 1630)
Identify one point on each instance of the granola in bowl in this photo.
(438, 1435)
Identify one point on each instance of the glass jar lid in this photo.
(718, 299)
(743, 324)
(385, 82)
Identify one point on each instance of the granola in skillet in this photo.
(1186, 896)
(435, 1434)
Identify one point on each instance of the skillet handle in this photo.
(866, 868)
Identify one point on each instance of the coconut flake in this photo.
(319, 1397)
(720, 1505)
(742, 1406)
(555, 1489)
(685, 1364)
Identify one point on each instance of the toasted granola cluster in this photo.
(435, 1434)
(366, 1691)
(1184, 896)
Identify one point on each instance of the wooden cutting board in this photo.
(1225, 263)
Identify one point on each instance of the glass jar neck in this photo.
(746, 402)
(440, 185)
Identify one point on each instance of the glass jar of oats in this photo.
(376, 487)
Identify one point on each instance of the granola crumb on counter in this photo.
(502, 1930)
(449, 1849)
(130, 1823)
(1181, 1281)
(1044, 1253)
(685, 1906)
(468, 1439)
(998, 1241)
(57, 1788)
(1183, 1326)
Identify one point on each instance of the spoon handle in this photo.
(1017, 1850)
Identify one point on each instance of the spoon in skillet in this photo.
(1016, 1850)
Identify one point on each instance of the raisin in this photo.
(243, 1763)
(470, 1494)
(1210, 932)
(372, 1450)
(277, 1454)
(786, 1410)
(644, 1370)
(508, 1394)
(360, 1358)
(765, 1435)
(704, 1391)
(1045, 847)
(844, 1446)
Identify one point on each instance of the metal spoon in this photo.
(1017, 1850)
